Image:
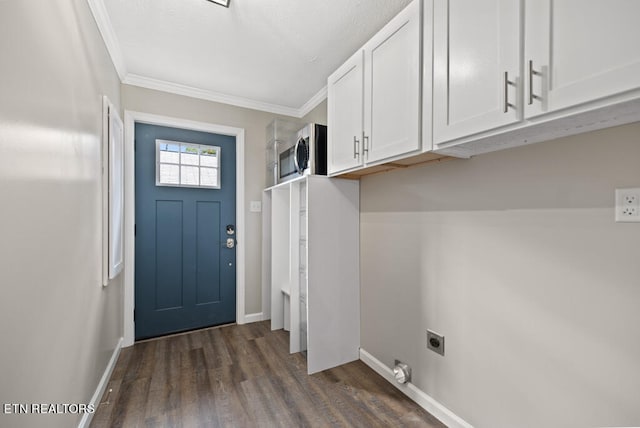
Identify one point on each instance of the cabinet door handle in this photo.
(355, 144)
(532, 73)
(507, 104)
(365, 142)
(530, 82)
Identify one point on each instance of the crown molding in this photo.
(101, 16)
(319, 97)
(189, 91)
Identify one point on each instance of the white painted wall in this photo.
(254, 123)
(514, 256)
(58, 325)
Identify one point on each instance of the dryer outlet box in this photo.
(435, 342)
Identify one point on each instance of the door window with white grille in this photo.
(187, 165)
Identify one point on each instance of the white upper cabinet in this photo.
(374, 107)
(392, 87)
(577, 51)
(345, 115)
(507, 73)
(477, 66)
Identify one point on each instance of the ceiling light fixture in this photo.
(224, 3)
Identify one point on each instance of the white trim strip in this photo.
(101, 17)
(189, 91)
(241, 230)
(129, 229)
(313, 102)
(102, 386)
(425, 401)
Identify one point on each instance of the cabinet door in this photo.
(580, 51)
(392, 95)
(477, 66)
(345, 110)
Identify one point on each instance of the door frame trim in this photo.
(130, 119)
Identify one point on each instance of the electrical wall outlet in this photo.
(435, 342)
(628, 205)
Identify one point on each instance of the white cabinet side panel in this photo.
(334, 273)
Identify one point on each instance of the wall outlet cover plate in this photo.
(255, 206)
(628, 205)
(435, 342)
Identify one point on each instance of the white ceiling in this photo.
(273, 55)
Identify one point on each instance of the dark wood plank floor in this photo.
(244, 376)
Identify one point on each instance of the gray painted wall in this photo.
(515, 257)
(317, 115)
(58, 325)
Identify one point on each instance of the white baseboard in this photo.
(249, 318)
(102, 385)
(443, 414)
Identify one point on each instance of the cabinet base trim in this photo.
(546, 128)
(402, 163)
(443, 414)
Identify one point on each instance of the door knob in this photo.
(231, 243)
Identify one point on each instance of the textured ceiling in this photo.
(275, 52)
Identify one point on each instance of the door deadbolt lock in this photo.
(231, 229)
(231, 243)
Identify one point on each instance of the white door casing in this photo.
(130, 119)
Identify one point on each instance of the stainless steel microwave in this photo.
(308, 156)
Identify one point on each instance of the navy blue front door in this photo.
(185, 275)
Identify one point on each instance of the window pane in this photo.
(189, 165)
(169, 147)
(209, 156)
(169, 174)
(189, 175)
(209, 177)
(169, 153)
(189, 155)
